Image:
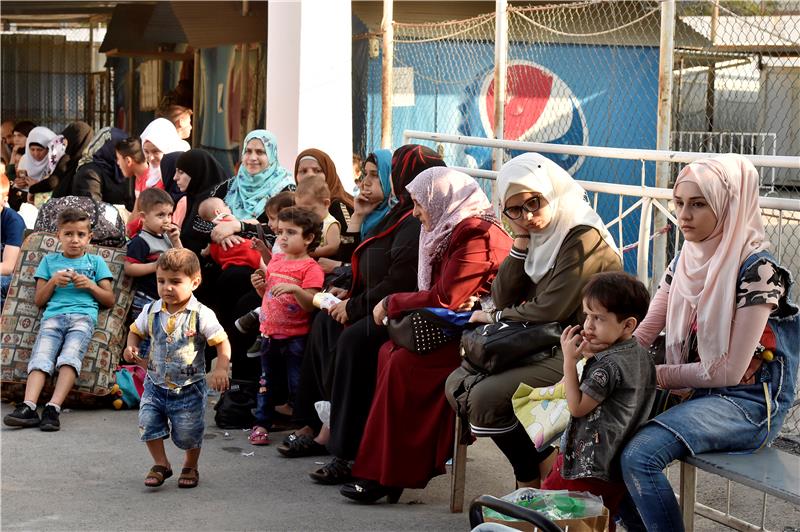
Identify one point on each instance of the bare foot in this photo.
(284, 409)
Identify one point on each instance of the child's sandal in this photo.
(159, 473)
(189, 478)
(257, 437)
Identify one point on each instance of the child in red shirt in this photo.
(288, 287)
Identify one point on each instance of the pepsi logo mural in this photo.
(540, 107)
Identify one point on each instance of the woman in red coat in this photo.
(409, 432)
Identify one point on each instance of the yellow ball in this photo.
(117, 404)
(767, 355)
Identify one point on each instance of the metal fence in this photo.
(52, 77)
(587, 73)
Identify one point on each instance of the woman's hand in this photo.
(480, 316)
(328, 265)
(363, 206)
(572, 344)
(339, 312)
(230, 241)
(380, 311)
(338, 292)
(468, 305)
(223, 230)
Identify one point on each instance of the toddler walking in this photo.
(174, 398)
(288, 287)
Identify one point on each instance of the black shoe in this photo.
(22, 416)
(50, 422)
(337, 471)
(254, 351)
(369, 491)
(295, 446)
(248, 323)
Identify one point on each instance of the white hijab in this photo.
(36, 169)
(163, 135)
(531, 172)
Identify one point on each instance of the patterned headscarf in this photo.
(331, 176)
(704, 281)
(448, 197)
(383, 160)
(40, 136)
(248, 194)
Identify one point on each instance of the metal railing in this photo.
(649, 199)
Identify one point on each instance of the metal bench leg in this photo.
(459, 470)
(688, 495)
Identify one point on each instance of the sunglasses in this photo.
(530, 206)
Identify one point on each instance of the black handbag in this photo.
(426, 329)
(496, 347)
(236, 404)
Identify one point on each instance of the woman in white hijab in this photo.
(34, 162)
(559, 243)
(158, 138)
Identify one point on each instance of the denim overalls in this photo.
(736, 417)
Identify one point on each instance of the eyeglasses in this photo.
(530, 206)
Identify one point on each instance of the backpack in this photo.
(108, 228)
(235, 406)
(130, 379)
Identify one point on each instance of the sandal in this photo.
(159, 473)
(259, 437)
(295, 446)
(189, 478)
(337, 471)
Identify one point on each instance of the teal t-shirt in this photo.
(68, 299)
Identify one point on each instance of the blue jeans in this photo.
(643, 462)
(140, 299)
(179, 412)
(291, 350)
(62, 341)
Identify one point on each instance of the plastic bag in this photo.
(324, 411)
(554, 505)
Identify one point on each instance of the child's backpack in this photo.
(108, 228)
(130, 379)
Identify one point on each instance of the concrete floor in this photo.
(89, 476)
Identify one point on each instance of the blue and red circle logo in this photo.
(540, 107)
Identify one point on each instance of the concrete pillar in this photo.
(309, 94)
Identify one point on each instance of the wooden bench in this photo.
(770, 471)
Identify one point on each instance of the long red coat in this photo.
(409, 432)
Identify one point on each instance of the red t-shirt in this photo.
(283, 317)
(239, 255)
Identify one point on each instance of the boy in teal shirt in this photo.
(70, 286)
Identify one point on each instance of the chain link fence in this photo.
(587, 73)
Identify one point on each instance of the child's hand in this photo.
(284, 288)
(62, 278)
(81, 281)
(219, 380)
(261, 246)
(573, 344)
(173, 232)
(258, 282)
(131, 354)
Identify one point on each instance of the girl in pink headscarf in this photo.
(731, 336)
(408, 436)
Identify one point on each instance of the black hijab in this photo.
(168, 166)
(206, 173)
(78, 136)
(24, 127)
(407, 162)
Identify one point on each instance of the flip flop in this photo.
(158, 472)
(190, 474)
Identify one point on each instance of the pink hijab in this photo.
(706, 274)
(449, 197)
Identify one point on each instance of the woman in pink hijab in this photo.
(409, 432)
(731, 336)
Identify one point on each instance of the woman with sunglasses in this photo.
(559, 243)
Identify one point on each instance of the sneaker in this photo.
(50, 422)
(248, 323)
(22, 416)
(254, 351)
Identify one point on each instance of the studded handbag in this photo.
(424, 330)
